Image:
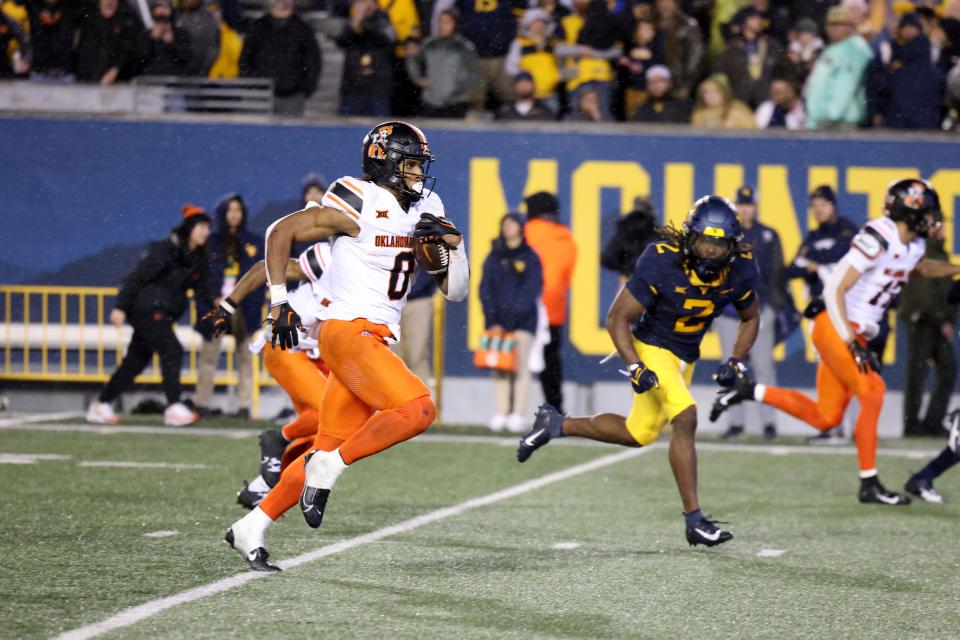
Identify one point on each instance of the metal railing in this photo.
(63, 334)
(174, 94)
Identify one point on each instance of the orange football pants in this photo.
(838, 380)
(305, 382)
(372, 402)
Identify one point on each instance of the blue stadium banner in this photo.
(81, 191)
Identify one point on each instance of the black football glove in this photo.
(866, 360)
(643, 379)
(217, 320)
(285, 328)
(432, 229)
(729, 370)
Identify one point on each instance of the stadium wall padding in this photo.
(72, 188)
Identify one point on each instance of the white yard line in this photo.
(30, 458)
(503, 441)
(39, 417)
(129, 464)
(783, 450)
(107, 430)
(141, 612)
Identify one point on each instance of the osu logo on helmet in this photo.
(378, 146)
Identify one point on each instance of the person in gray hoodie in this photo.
(204, 31)
(446, 68)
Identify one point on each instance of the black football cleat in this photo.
(872, 492)
(741, 390)
(923, 489)
(313, 502)
(707, 533)
(272, 445)
(547, 426)
(256, 558)
(249, 499)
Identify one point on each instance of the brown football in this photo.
(433, 257)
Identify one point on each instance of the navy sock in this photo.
(946, 459)
(693, 517)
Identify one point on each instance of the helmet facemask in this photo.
(707, 268)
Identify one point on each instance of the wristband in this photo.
(633, 367)
(278, 294)
(228, 305)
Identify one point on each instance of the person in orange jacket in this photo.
(554, 244)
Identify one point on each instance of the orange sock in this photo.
(799, 406)
(302, 426)
(865, 431)
(287, 492)
(388, 428)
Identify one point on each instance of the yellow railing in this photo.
(62, 334)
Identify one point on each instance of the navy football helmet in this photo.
(914, 202)
(712, 219)
(385, 148)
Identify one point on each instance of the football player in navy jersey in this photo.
(657, 322)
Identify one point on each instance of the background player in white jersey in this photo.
(857, 294)
(372, 401)
(300, 372)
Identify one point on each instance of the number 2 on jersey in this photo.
(684, 324)
(403, 268)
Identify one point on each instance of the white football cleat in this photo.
(516, 423)
(179, 415)
(322, 470)
(498, 422)
(102, 413)
(246, 538)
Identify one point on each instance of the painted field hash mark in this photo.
(160, 534)
(566, 546)
(770, 553)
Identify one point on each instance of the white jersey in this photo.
(312, 298)
(372, 272)
(885, 264)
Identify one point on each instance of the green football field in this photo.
(448, 537)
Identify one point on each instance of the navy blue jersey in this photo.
(680, 307)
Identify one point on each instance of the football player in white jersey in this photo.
(857, 294)
(299, 372)
(372, 401)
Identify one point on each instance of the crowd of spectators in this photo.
(817, 64)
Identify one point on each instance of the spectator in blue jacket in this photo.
(823, 247)
(232, 252)
(511, 284)
(904, 86)
(772, 295)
